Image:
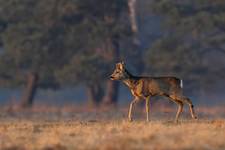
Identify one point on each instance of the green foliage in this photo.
(84, 69)
(193, 33)
(60, 39)
(92, 37)
(29, 38)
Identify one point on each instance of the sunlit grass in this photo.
(108, 130)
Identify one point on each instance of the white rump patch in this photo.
(181, 83)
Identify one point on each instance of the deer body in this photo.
(143, 87)
(146, 87)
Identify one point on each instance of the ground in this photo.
(109, 130)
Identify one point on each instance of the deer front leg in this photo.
(147, 108)
(130, 109)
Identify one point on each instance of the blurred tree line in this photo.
(58, 43)
(48, 44)
(192, 45)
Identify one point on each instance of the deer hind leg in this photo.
(147, 108)
(131, 108)
(179, 103)
(179, 110)
(191, 107)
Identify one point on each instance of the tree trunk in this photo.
(133, 20)
(111, 97)
(138, 63)
(30, 90)
(112, 87)
(95, 94)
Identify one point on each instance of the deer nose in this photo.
(111, 77)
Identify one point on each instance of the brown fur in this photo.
(146, 87)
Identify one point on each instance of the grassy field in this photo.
(109, 130)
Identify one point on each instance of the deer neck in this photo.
(130, 80)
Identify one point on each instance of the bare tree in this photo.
(133, 20)
(136, 43)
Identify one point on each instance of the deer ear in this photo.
(117, 65)
(121, 66)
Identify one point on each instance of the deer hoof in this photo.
(130, 119)
(176, 121)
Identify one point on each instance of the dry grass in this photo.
(107, 131)
(112, 135)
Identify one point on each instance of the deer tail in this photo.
(181, 83)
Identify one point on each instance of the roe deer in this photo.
(145, 87)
